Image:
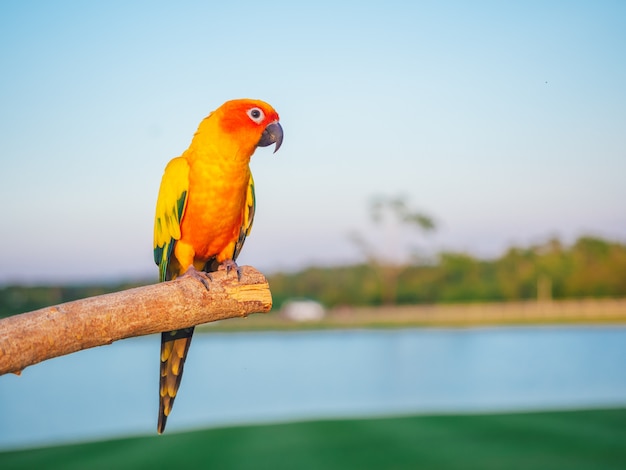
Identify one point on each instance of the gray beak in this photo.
(273, 134)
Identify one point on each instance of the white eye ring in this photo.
(256, 114)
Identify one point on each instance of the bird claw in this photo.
(204, 278)
(229, 265)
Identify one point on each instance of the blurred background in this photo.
(447, 165)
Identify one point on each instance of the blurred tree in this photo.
(386, 257)
(591, 267)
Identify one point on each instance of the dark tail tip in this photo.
(161, 426)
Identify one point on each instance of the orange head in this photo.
(243, 123)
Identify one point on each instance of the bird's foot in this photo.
(229, 265)
(204, 278)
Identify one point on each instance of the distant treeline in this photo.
(591, 267)
(19, 299)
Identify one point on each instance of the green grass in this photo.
(589, 439)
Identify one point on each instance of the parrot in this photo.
(204, 212)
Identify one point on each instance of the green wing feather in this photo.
(170, 209)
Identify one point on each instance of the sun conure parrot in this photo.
(204, 212)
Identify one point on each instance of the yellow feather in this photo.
(170, 209)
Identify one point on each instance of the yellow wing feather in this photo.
(170, 209)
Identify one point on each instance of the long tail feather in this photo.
(174, 347)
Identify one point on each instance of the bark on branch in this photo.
(33, 337)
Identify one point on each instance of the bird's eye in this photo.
(256, 115)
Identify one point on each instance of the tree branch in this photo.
(33, 337)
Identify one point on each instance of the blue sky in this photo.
(506, 121)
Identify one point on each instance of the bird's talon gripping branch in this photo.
(204, 278)
(230, 265)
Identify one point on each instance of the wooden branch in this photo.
(33, 337)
